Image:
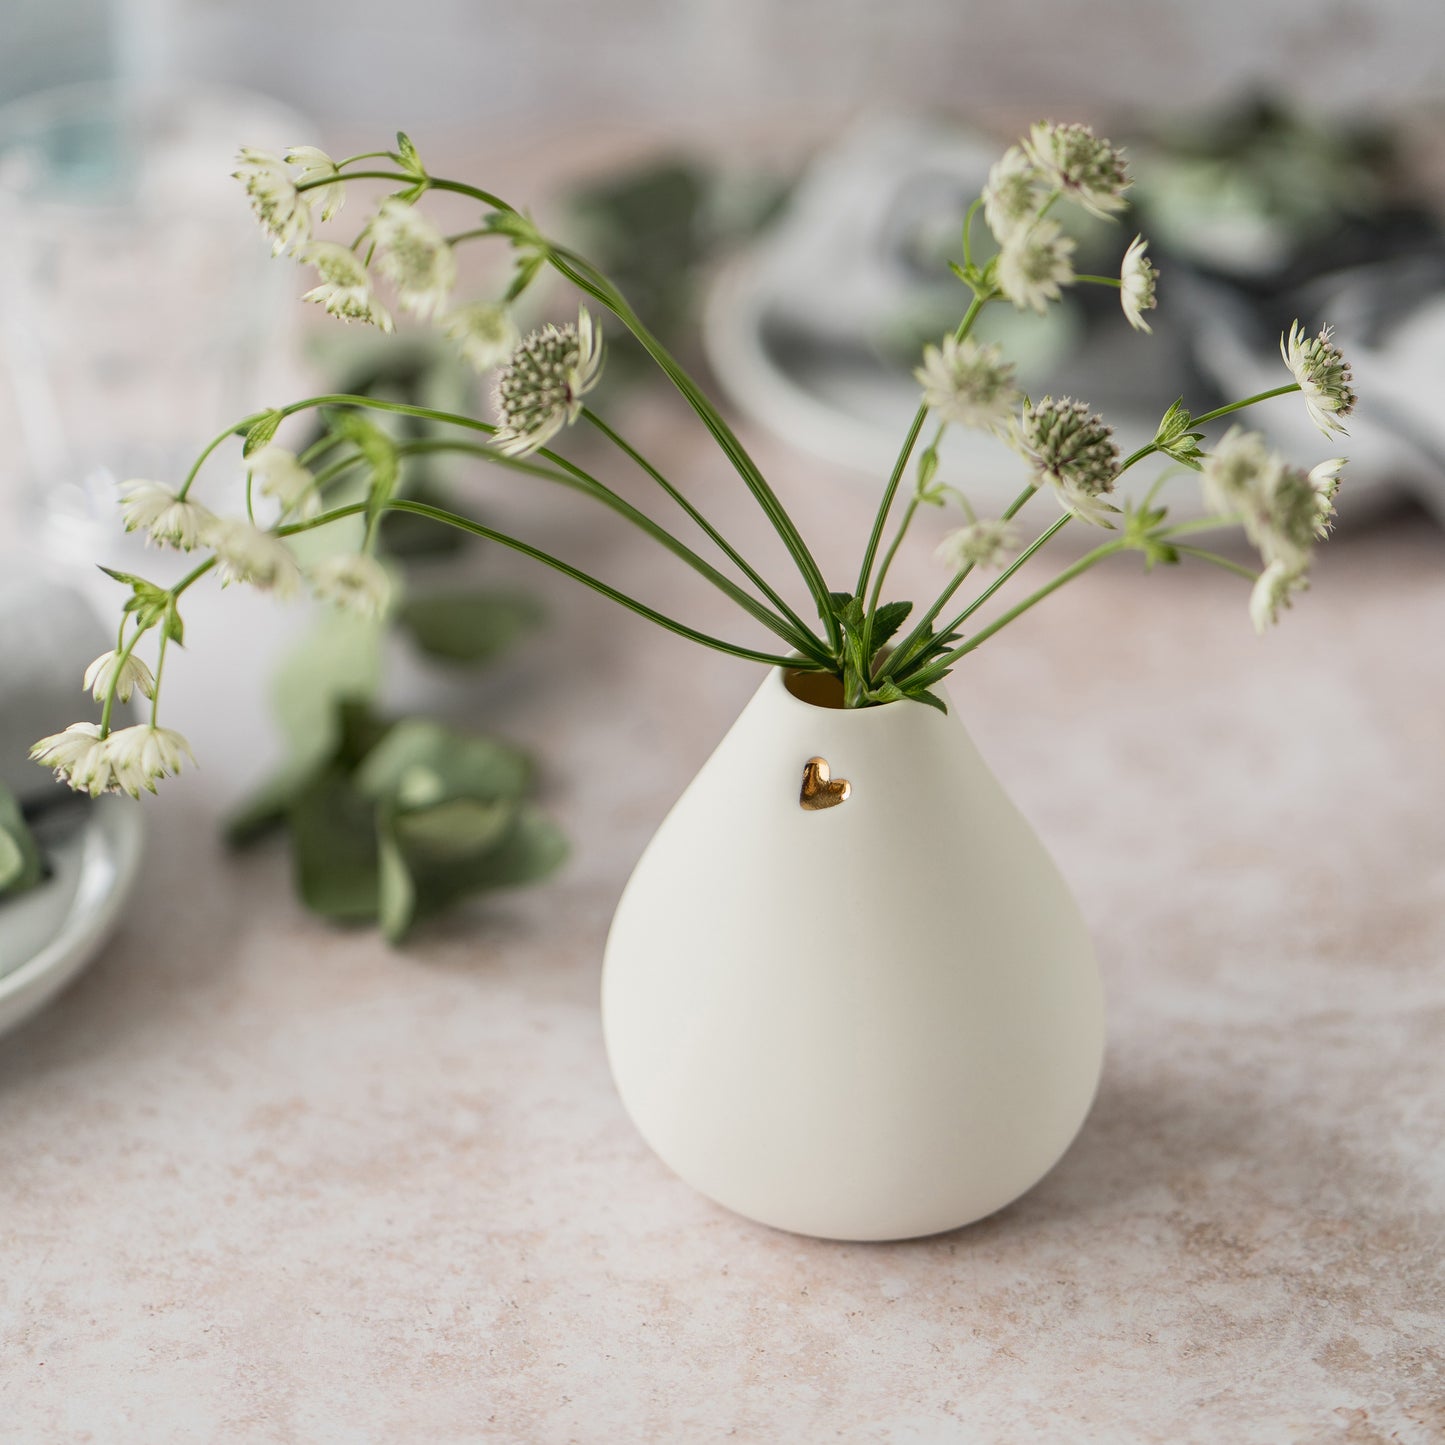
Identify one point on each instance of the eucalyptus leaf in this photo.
(456, 828)
(21, 865)
(396, 900)
(420, 763)
(468, 626)
(334, 844)
(338, 661)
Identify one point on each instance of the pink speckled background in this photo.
(265, 1181)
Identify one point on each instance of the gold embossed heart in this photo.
(820, 788)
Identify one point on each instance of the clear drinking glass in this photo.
(139, 308)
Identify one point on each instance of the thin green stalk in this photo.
(997, 625)
(238, 429)
(589, 486)
(1248, 401)
(160, 673)
(491, 534)
(1229, 565)
(576, 269)
(909, 647)
(712, 533)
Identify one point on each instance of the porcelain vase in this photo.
(846, 991)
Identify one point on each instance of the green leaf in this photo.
(21, 865)
(457, 828)
(338, 661)
(147, 601)
(260, 432)
(335, 850)
(407, 154)
(840, 602)
(470, 626)
(887, 620)
(396, 890)
(931, 699)
(268, 806)
(927, 470)
(171, 625)
(420, 763)
(527, 270)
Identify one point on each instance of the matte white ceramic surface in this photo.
(875, 1021)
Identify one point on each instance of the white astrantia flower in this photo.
(353, 582)
(127, 674)
(1071, 159)
(316, 165)
(78, 757)
(485, 332)
(165, 518)
(1284, 510)
(283, 211)
(1273, 590)
(968, 384)
(1034, 264)
(979, 544)
(540, 390)
(247, 554)
(414, 256)
(345, 289)
(280, 475)
(1323, 374)
(1012, 194)
(1073, 450)
(1138, 279)
(141, 756)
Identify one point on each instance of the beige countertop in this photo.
(267, 1181)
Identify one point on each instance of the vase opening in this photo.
(818, 689)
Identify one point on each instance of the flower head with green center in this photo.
(247, 554)
(284, 212)
(485, 332)
(1273, 591)
(283, 477)
(414, 256)
(1073, 450)
(316, 165)
(1323, 374)
(979, 544)
(141, 756)
(1071, 159)
(1012, 195)
(968, 384)
(1034, 264)
(78, 757)
(354, 582)
(1284, 510)
(1138, 279)
(167, 519)
(126, 674)
(540, 390)
(345, 289)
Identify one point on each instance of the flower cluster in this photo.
(540, 389)
(1073, 450)
(167, 519)
(345, 289)
(968, 384)
(1138, 279)
(283, 211)
(979, 544)
(1284, 510)
(414, 256)
(126, 761)
(1073, 161)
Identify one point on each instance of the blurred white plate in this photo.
(50, 933)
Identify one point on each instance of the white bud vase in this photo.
(871, 1020)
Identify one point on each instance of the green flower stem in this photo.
(1089, 559)
(721, 542)
(108, 706)
(1113, 281)
(477, 529)
(1248, 401)
(239, 429)
(160, 673)
(430, 183)
(908, 514)
(1237, 568)
(913, 644)
(589, 486)
(900, 465)
(968, 232)
(588, 279)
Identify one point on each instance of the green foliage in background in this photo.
(21, 865)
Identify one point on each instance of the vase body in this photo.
(872, 1020)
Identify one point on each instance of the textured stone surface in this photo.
(265, 1181)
